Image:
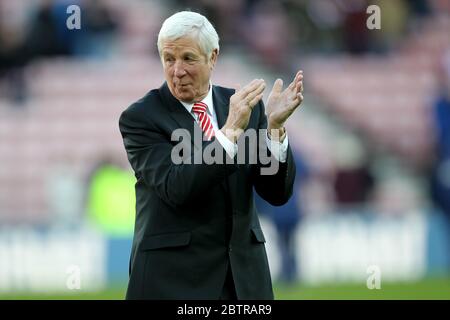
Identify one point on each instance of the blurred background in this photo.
(370, 213)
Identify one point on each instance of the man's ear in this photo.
(213, 59)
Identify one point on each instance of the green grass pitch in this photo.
(432, 288)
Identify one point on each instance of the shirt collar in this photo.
(207, 100)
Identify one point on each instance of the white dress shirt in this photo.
(278, 150)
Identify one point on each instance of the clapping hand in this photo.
(282, 103)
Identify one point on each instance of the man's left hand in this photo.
(282, 103)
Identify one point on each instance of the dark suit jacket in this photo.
(193, 220)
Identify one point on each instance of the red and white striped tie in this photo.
(204, 120)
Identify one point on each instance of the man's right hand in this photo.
(241, 106)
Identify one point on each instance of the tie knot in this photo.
(199, 107)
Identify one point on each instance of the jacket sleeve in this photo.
(274, 188)
(149, 152)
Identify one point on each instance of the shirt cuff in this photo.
(278, 150)
(230, 147)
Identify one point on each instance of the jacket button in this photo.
(230, 248)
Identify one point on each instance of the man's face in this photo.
(187, 69)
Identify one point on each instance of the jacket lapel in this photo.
(179, 113)
(186, 121)
(221, 106)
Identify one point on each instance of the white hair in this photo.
(188, 23)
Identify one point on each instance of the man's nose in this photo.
(179, 69)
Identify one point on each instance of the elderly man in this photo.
(197, 233)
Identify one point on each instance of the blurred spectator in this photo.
(269, 34)
(226, 16)
(440, 181)
(48, 34)
(419, 8)
(327, 19)
(356, 35)
(394, 22)
(440, 7)
(419, 11)
(111, 198)
(353, 180)
(99, 27)
(245, 21)
(64, 188)
(12, 62)
(286, 220)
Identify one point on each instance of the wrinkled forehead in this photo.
(181, 45)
